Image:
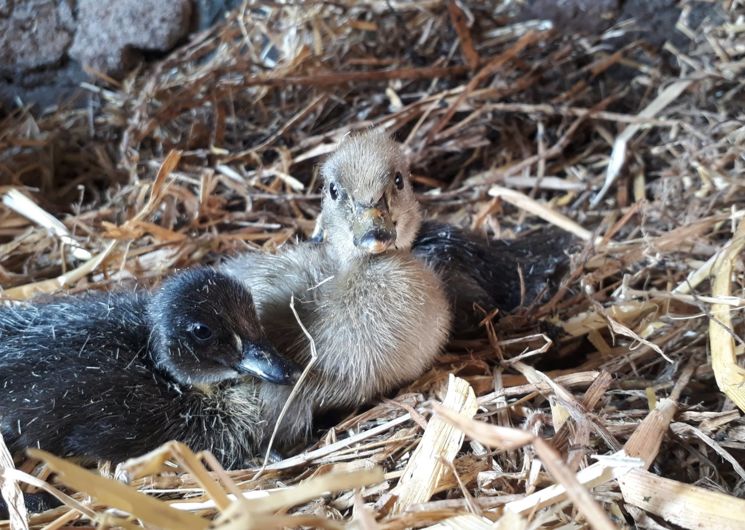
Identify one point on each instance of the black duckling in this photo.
(378, 316)
(481, 274)
(109, 376)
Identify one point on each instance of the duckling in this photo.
(492, 274)
(476, 272)
(109, 376)
(376, 314)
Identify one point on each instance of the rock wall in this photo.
(45, 43)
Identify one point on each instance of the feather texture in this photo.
(109, 375)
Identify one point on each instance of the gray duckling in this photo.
(377, 315)
(109, 376)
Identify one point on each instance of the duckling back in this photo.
(61, 364)
(489, 274)
(72, 320)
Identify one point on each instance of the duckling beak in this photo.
(373, 230)
(263, 361)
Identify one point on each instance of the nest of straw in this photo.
(627, 411)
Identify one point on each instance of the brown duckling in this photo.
(109, 376)
(377, 315)
(478, 274)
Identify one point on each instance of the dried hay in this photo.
(636, 149)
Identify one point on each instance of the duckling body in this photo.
(109, 376)
(489, 274)
(377, 315)
(376, 325)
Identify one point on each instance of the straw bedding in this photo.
(616, 403)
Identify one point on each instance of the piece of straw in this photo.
(729, 375)
(439, 444)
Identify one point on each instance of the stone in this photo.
(44, 88)
(6, 8)
(34, 34)
(111, 32)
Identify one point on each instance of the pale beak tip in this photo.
(378, 247)
(376, 241)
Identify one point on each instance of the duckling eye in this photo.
(200, 332)
(333, 191)
(399, 180)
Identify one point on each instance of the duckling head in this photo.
(205, 330)
(368, 202)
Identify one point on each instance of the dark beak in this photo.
(373, 229)
(262, 361)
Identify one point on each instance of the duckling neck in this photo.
(156, 355)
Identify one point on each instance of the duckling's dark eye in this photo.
(399, 180)
(333, 191)
(200, 332)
